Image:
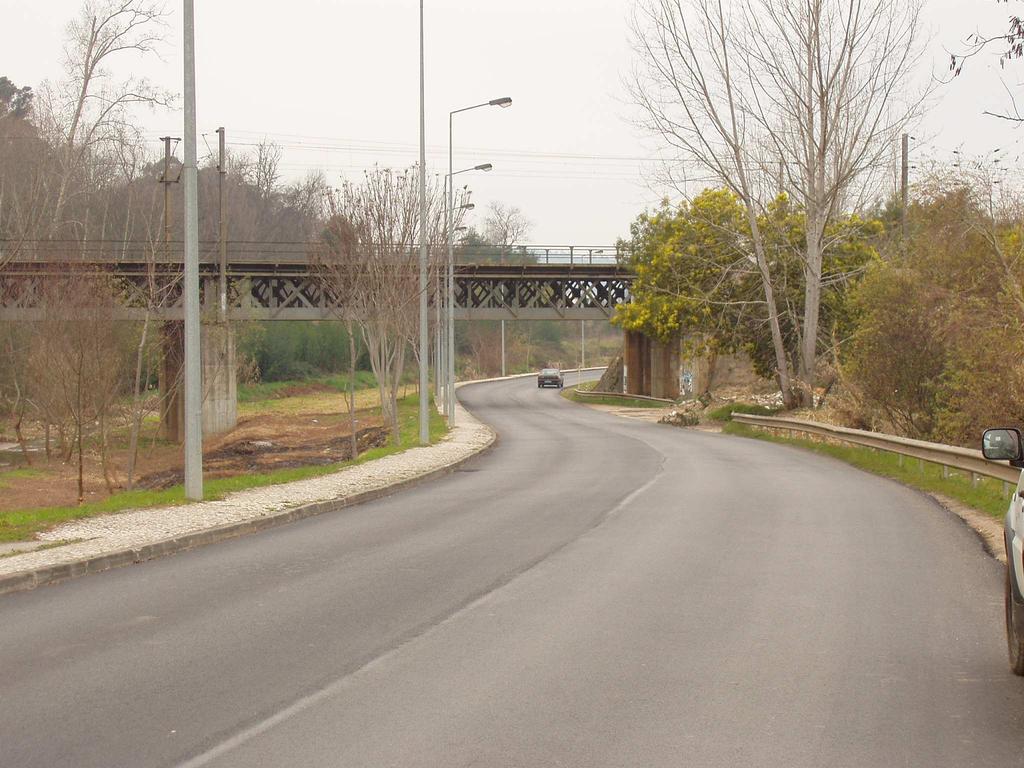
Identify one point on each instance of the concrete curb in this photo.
(25, 580)
(51, 574)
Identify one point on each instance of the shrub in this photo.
(726, 411)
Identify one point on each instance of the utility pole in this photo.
(193, 380)
(905, 182)
(222, 171)
(171, 405)
(166, 180)
(424, 341)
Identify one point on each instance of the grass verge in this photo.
(22, 525)
(987, 496)
(570, 393)
(269, 390)
(17, 474)
(726, 411)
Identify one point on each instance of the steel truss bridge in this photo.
(275, 281)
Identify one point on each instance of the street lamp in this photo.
(448, 401)
(440, 368)
(504, 102)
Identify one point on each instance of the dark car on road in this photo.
(550, 377)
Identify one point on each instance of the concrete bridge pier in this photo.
(652, 368)
(218, 365)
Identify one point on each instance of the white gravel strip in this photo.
(130, 530)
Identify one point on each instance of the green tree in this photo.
(688, 262)
(14, 101)
(697, 278)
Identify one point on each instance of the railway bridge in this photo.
(277, 282)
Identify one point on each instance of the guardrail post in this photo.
(945, 472)
(900, 455)
(920, 466)
(974, 479)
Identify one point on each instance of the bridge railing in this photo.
(528, 254)
(283, 252)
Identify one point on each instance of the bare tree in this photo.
(87, 110)
(335, 260)
(1009, 47)
(369, 265)
(827, 86)
(739, 89)
(75, 359)
(158, 291)
(688, 86)
(505, 225)
(265, 169)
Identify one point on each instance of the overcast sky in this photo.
(335, 82)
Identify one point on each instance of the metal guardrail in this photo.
(530, 375)
(946, 456)
(623, 396)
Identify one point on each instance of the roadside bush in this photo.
(983, 386)
(726, 411)
(290, 351)
(898, 355)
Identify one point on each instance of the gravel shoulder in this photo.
(99, 543)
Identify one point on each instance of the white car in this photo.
(1007, 445)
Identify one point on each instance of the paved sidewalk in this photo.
(148, 533)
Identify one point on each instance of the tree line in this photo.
(921, 318)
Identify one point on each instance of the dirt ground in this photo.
(292, 430)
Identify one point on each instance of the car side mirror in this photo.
(1003, 445)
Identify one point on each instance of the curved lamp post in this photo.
(441, 290)
(502, 102)
(448, 404)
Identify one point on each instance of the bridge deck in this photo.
(283, 286)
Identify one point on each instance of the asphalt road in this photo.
(592, 592)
